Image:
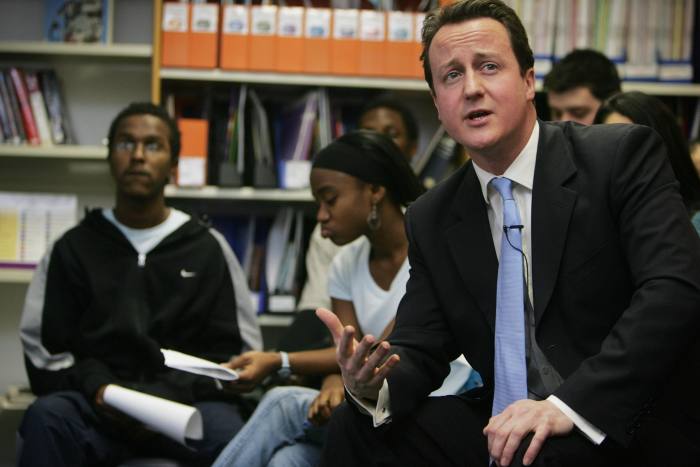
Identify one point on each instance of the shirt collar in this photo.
(520, 171)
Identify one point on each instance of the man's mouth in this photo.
(478, 114)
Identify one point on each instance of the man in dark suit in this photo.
(604, 352)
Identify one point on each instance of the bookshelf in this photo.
(63, 151)
(394, 84)
(88, 51)
(240, 194)
(16, 275)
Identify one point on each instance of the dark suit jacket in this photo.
(616, 277)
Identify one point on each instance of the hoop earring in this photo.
(373, 220)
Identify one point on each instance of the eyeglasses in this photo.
(129, 146)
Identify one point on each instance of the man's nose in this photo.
(473, 87)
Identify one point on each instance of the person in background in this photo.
(578, 84)
(113, 291)
(695, 154)
(642, 109)
(560, 262)
(361, 183)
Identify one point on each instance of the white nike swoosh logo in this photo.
(186, 274)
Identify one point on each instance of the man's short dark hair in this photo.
(472, 9)
(408, 120)
(148, 108)
(584, 68)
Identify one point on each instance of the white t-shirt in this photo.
(350, 279)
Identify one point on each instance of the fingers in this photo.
(332, 323)
(384, 370)
(235, 362)
(346, 345)
(536, 445)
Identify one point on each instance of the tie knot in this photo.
(503, 186)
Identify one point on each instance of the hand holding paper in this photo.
(196, 365)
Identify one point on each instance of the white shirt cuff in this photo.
(589, 431)
(380, 410)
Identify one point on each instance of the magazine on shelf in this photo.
(86, 21)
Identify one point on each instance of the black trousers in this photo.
(447, 431)
(63, 429)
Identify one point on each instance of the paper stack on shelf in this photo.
(29, 223)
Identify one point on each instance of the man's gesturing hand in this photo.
(506, 430)
(363, 373)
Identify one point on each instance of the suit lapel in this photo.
(470, 241)
(552, 207)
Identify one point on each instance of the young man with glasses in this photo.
(111, 293)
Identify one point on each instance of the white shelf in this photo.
(275, 320)
(136, 51)
(16, 275)
(654, 88)
(239, 194)
(293, 79)
(63, 151)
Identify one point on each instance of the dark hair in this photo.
(650, 111)
(584, 68)
(472, 9)
(374, 158)
(408, 120)
(147, 108)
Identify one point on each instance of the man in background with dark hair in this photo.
(578, 84)
(113, 291)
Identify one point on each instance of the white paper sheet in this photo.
(176, 421)
(196, 365)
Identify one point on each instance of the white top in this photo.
(144, 240)
(350, 279)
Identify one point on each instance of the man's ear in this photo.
(432, 94)
(530, 84)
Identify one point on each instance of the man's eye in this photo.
(490, 67)
(152, 146)
(125, 146)
(451, 75)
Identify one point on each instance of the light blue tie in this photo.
(510, 369)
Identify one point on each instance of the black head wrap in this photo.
(372, 158)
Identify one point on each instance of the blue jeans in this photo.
(277, 433)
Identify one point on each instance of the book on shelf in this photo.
(61, 131)
(36, 99)
(13, 106)
(260, 161)
(7, 116)
(84, 21)
(294, 131)
(25, 107)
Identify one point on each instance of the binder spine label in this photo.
(400, 26)
(235, 20)
(345, 24)
(372, 27)
(264, 19)
(318, 22)
(175, 16)
(418, 32)
(290, 21)
(205, 18)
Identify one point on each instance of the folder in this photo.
(290, 42)
(263, 37)
(174, 35)
(317, 38)
(235, 39)
(194, 135)
(202, 50)
(418, 45)
(345, 45)
(372, 43)
(400, 44)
